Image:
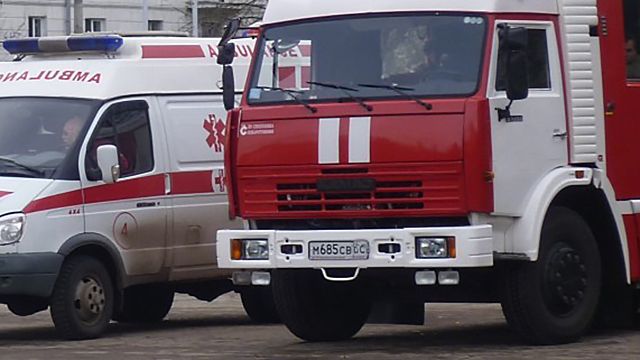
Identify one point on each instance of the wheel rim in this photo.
(565, 280)
(89, 300)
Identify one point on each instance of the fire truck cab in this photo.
(440, 151)
(111, 176)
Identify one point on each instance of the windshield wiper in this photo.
(346, 90)
(400, 90)
(30, 169)
(294, 95)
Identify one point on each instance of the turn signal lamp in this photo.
(97, 43)
(249, 249)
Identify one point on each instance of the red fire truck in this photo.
(440, 151)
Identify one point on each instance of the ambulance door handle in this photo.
(167, 184)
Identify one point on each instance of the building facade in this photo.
(35, 18)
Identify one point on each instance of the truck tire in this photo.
(145, 304)
(554, 300)
(314, 309)
(83, 297)
(259, 305)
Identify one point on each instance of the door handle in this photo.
(610, 108)
(560, 134)
(167, 184)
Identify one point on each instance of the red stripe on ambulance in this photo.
(172, 51)
(183, 183)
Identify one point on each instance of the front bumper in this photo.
(32, 274)
(474, 248)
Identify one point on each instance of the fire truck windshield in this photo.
(38, 134)
(426, 55)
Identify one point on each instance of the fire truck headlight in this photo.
(249, 249)
(11, 228)
(432, 247)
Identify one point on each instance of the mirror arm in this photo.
(504, 114)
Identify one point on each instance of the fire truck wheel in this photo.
(82, 300)
(554, 299)
(145, 304)
(259, 305)
(314, 309)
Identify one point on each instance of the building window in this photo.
(37, 26)
(94, 25)
(154, 25)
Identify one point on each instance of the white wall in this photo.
(124, 16)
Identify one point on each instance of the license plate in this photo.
(339, 250)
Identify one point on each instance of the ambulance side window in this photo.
(125, 125)
(538, 62)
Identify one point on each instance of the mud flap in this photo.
(397, 312)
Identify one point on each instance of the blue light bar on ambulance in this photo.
(99, 43)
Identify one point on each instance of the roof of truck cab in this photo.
(290, 10)
(142, 65)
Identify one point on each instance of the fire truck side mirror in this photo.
(228, 88)
(226, 53)
(514, 41)
(229, 32)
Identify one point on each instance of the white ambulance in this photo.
(112, 183)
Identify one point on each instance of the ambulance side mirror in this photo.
(108, 163)
(514, 42)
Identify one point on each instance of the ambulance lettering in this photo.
(245, 51)
(58, 75)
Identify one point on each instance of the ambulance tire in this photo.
(554, 299)
(145, 304)
(83, 299)
(259, 305)
(314, 309)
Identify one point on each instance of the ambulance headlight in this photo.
(11, 227)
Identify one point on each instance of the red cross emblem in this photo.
(219, 181)
(215, 128)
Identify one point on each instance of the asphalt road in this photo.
(221, 330)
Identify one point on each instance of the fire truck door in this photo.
(619, 32)
(532, 141)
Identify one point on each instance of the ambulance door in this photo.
(619, 36)
(195, 137)
(132, 213)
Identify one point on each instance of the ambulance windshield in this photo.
(39, 135)
(423, 55)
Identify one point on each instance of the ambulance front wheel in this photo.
(554, 299)
(83, 298)
(314, 309)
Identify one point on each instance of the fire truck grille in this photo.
(414, 190)
(387, 196)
